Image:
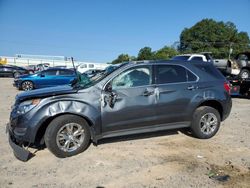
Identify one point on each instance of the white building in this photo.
(26, 60)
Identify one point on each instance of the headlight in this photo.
(26, 106)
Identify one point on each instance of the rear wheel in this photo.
(67, 135)
(27, 85)
(206, 122)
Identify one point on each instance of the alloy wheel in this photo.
(70, 137)
(27, 85)
(208, 123)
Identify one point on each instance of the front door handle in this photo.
(147, 93)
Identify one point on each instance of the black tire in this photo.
(200, 128)
(56, 126)
(27, 85)
(244, 74)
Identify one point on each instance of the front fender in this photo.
(65, 106)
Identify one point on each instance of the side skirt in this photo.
(147, 129)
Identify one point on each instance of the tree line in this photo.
(206, 35)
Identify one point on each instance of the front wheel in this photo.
(67, 135)
(206, 122)
(27, 85)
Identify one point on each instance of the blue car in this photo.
(46, 78)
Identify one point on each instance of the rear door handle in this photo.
(191, 87)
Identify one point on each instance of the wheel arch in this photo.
(214, 104)
(34, 86)
(39, 138)
(245, 68)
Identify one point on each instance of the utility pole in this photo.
(230, 50)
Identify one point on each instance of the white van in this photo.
(83, 67)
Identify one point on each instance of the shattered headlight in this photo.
(26, 106)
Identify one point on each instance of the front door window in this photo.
(132, 78)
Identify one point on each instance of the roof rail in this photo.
(142, 61)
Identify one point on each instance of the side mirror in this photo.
(42, 75)
(108, 87)
(74, 81)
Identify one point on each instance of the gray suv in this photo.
(135, 97)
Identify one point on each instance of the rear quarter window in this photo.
(210, 70)
(191, 77)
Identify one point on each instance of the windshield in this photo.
(182, 57)
(83, 81)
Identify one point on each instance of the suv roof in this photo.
(181, 62)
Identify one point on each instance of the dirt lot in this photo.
(167, 159)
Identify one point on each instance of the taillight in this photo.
(227, 87)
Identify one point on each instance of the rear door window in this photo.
(65, 72)
(50, 72)
(170, 74)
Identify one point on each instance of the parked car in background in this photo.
(12, 71)
(204, 56)
(36, 68)
(47, 78)
(133, 98)
(31, 69)
(239, 87)
(222, 65)
(83, 67)
(242, 63)
(92, 72)
(111, 68)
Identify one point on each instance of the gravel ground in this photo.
(166, 159)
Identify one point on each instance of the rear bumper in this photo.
(18, 150)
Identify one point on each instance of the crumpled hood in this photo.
(45, 92)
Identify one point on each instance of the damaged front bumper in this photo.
(19, 151)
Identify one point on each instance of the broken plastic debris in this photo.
(221, 178)
(200, 156)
